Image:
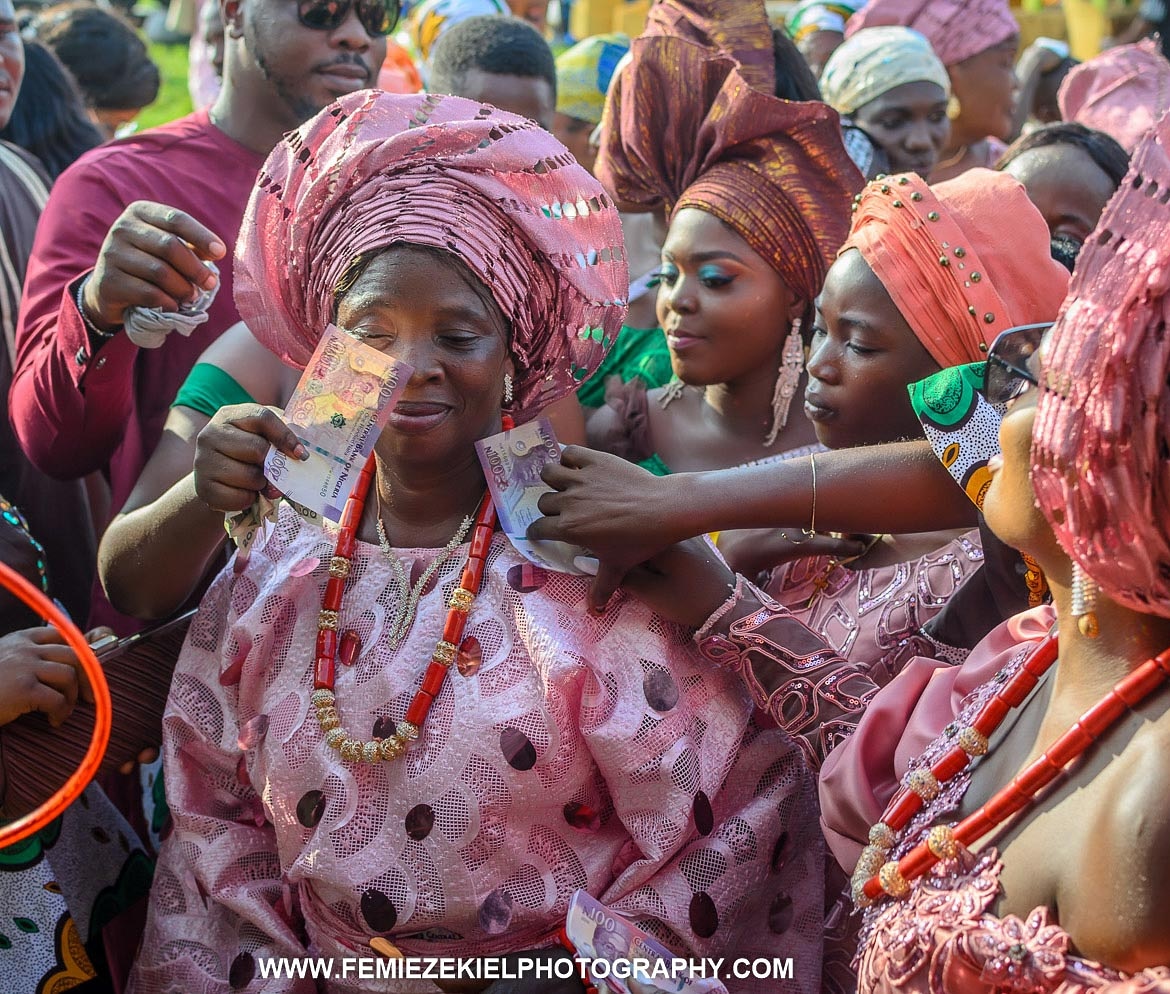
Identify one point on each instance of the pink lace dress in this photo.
(875, 615)
(946, 938)
(564, 751)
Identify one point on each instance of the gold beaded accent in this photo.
(335, 736)
(461, 600)
(339, 567)
(445, 653)
(392, 748)
(322, 698)
(870, 861)
(327, 620)
(407, 730)
(941, 842)
(924, 783)
(351, 750)
(328, 719)
(882, 836)
(892, 881)
(972, 741)
(371, 752)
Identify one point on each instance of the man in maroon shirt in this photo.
(132, 224)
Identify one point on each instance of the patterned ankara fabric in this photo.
(960, 424)
(493, 189)
(775, 171)
(874, 616)
(426, 23)
(584, 73)
(940, 252)
(956, 29)
(945, 938)
(873, 62)
(563, 751)
(1099, 449)
(810, 16)
(1122, 92)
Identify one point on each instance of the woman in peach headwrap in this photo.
(923, 283)
(756, 190)
(1056, 880)
(977, 41)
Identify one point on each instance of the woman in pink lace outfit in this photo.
(1071, 893)
(563, 749)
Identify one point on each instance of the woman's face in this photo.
(863, 357)
(1066, 186)
(910, 123)
(577, 136)
(1009, 503)
(985, 86)
(428, 310)
(725, 311)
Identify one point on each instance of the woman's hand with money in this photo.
(685, 583)
(229, 455)
(618, 511)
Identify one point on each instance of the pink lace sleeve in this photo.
(792, 673)
(217, 904)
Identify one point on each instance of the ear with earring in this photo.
(507, 389)
(1084, 602)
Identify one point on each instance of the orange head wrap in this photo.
(962, 260)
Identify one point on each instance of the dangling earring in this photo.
(954, 108)
(507, 388)
(791, 366)
(1084, 603)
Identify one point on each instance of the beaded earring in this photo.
(507, 388)
(791, 366)
(1084, 603)
(954, 108)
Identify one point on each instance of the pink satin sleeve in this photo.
(861, 774)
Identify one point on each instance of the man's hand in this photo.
(152, 257)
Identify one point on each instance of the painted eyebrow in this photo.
(713, 256)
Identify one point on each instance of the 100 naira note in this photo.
(338, 410)
(512, 462)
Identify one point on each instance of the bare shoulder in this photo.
(251, 365)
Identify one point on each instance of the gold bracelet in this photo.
(812, 524)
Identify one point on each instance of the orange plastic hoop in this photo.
(69, 791)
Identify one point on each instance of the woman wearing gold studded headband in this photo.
(1006, 820)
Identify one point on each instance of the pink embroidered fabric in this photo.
(945, 937)
(564, 751)
(874, 616)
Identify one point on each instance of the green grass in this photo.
(173, 99)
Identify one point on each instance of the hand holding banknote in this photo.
(230, 452)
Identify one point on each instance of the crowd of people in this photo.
(854, 330)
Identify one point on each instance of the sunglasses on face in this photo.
(1008, 374)
(378, 17)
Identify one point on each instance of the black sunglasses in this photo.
(1008, 375)
(378, 17)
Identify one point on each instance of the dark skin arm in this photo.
(625, 515)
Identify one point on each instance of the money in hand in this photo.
(338, 410)
(512, 462)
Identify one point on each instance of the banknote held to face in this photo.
(338, 410)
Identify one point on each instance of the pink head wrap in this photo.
(956, 275)
(1122, 92)
(956, 29)
(1101, 443)
(495, 190)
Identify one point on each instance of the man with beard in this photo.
(135, 223)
